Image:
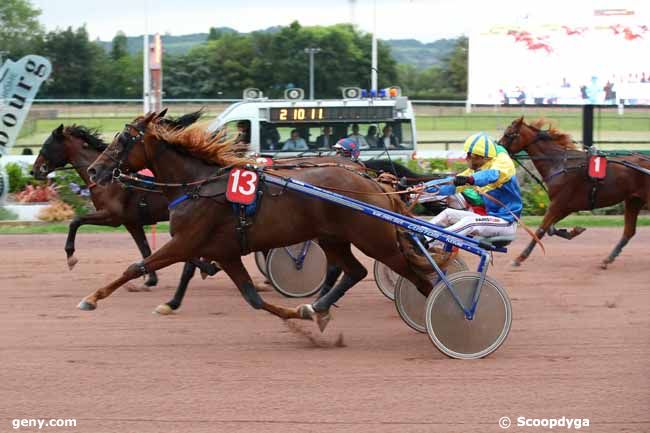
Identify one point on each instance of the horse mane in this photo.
(212, 147)
(92, 136)
(560, 138)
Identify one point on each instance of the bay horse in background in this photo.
(564, 169)
(203, 222)
(115, 205)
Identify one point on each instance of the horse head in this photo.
(126, 152)
(517, 136)
(52, 154)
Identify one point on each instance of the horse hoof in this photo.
(151, 283)
(204, 275)
(322, 319)
(604, 265)
(578, 230)
(163, 309)
(72, 260)
(86, 305)
(515, 263)
(306, 312)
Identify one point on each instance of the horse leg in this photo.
(100, 218)
(188, 272)
(552, 216)
(564, 233)
(333, 273)
(137, 233)
(339, 253)
(239, 275)
(632, 208)
(172, 252)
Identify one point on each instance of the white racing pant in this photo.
(471, 224)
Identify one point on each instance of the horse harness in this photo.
(589, 154)
(244, 213)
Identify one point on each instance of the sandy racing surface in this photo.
(579, 348)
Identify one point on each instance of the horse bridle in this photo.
(127, 141)
(539, 135)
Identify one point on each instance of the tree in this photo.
(76, 62)
(19, 27)
(119, 46)
(456, 66)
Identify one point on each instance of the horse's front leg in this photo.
(239, 275)
(99, 218)
(172, 252)
(137, 233)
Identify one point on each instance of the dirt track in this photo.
(579, 348)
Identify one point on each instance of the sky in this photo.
(425, 20)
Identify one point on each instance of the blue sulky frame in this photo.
(412, 225)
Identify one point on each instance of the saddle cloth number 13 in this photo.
(242, 186)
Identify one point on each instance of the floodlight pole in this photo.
(145, 61)
(373, 66)
(311, 52)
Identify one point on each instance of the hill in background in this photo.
(405, 51)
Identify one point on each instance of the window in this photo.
(322, 137)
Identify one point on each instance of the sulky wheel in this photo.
(410, 302)
(386, 279)
(293, 279)
(455, 335)
(260, 261)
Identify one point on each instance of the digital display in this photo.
(329, 114)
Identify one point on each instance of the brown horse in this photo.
(79, 147)
(203, 223)
(564, 170)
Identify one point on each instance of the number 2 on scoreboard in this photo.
(283, 114)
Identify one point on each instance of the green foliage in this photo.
(81, 205)
(18, 179)
(447, 80)
(534, 199)
(273, 62)
(119, 46)
(6, 214)
(19, 27)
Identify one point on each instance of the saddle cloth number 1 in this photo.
(242, 186)
(597, 167)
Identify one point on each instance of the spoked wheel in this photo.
(260, 261)
(292, 278)
(455, 335)
(385, 279)
(410, 302)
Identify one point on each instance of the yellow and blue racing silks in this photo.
(496, 178)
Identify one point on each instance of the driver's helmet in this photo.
(348, 148)
(481, 144)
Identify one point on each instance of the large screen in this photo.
(329, 114)
(605, 60)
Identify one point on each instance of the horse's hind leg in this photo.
(239, 275)
(340, 254)
(137, 233)
(632, 208)
(188, 272)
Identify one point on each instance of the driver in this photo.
(492, 173)
(348, 148)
